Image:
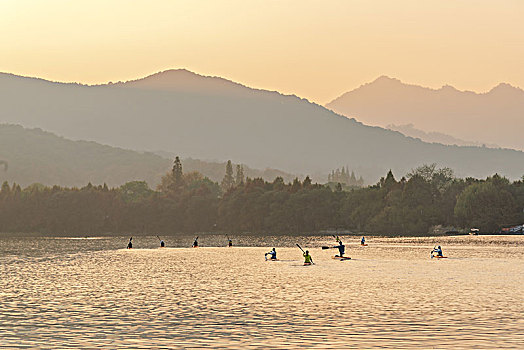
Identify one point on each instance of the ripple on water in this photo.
(90, 294)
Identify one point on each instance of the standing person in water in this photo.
(272, 253)
(341, 249)
(308, 260)
(195, 243)
(363, 241)
(130, 244)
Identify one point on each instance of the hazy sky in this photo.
(315, 49)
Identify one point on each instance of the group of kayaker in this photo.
(308, 260)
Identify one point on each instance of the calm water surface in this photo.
(90, 293)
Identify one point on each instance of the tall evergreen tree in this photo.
(228, 181)
(307, 182)
(239, 178)
(353, 179)
(177, 176)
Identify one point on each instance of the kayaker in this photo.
(307, 258)
(341, 249)
(363, 241)
(195, 243)
(437, 251)
(130, 244)
(337, 239)
(272, 253)
(162, 244)
(229, 243)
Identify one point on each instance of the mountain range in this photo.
(494, 117)
(212, 118)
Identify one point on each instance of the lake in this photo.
(91, 293)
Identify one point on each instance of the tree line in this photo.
(425, 199)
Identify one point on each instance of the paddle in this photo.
(325, 247)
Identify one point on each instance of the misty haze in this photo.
(261, 175)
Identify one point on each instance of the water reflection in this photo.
(91, 293)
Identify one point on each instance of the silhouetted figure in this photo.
(162, 244)
(341, 249)
(437, 251)
(130, 244)
(272, 254)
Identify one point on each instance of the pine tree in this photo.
(353, 179)
(6, 190)
(307, 182)
(342, 175)
(239, 178)
(228, 182)
(177, 175)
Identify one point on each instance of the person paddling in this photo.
(162, 243)
(195, 243)
(229, 242)
(272, 254)
(341, 249)
(130, 244)
(308, 260)
(363, 241)
(437, 251)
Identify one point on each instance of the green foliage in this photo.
(228, 181)
(489, 204)
(430, 197)
(239, 177)
(135, 191)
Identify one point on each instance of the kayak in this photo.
(341, 257)
(307, 264)
(195, 246)
(271, 259)
(440, 257)
(364, 245)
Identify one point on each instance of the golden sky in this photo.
(314, 49)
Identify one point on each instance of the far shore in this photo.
(241, 234)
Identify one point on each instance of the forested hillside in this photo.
(36, 156)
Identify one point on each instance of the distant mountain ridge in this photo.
(37, 156)
(493, 117)
(411, 131)
(256, 127)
